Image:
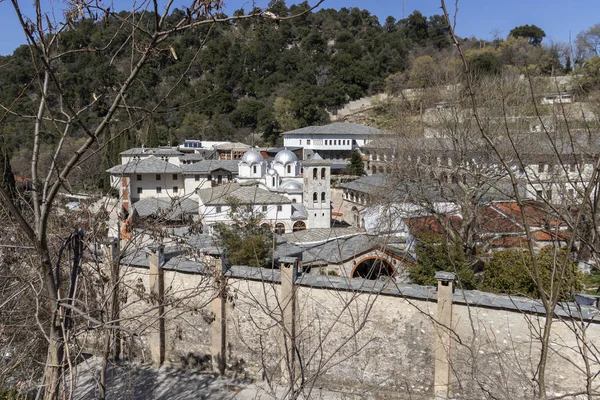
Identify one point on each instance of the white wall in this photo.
(271, 216)
(325, 142)
(149, 183)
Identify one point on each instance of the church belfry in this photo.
(317, 192)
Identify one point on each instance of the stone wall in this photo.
(375, 342)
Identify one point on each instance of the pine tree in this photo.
(357, 166)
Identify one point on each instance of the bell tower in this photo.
(317, 192)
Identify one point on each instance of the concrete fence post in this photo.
(218, 329)
(289, 305)
(443, 339)
(157, 295)
(115, 309)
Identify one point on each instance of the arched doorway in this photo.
(299, 226)
(355, 217)
(265, 226)
(372, 268)
(279, 228)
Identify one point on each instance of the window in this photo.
(541, 167)
(158, 189)
(315, 173)
(323, 173)
(158, 177)
(174, 177)
(218, 209)
(279, 228)
(175, 189)
(197, 178)
(254, 169)
(280, 208)
(300, 141)
(307, 141)
(322, 197)
(315, 197)
(289, 169)
(139, 177)
(139, 190)
(273, 181)
(326, 142)
(264, 208)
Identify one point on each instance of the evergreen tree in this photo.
(357, 166)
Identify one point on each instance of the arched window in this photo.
(322, 197)
(315, 173)
(254, 169)
(266, 227)
(273, 180)
(289, 169)
(279, 228)
(322, 173)
(315, 198)
(299, 226)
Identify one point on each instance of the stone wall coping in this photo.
(474, 298)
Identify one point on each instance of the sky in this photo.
(484, 19)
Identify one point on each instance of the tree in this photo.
(509, 271)
(532, 33)
(357, 166)
(65, 110)
(587, 43)
(246, 241)
(435, 253)
(422, 72)
(485, 64)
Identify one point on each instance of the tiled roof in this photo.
(432, 225)
(207, 166)
(148, 165)
(220, 195)
(337, 128)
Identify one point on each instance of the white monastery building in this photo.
(289, 194)
(333, 141)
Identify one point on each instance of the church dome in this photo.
(252, 157)
(285, 156)
(291, 187)
(271, 171)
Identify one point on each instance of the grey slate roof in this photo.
(169, 209)
(415, 192)
(299, 211)
(232, 146)
(198, 155)
(319, 235)
(157, 151)
(340, 250)
(337, 128)
(220, 195)
(207, 166)
(148, 165)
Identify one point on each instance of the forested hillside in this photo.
(248, 76)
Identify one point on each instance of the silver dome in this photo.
(285, 156)
(252, 157)
(291, 186)
(271, 171)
